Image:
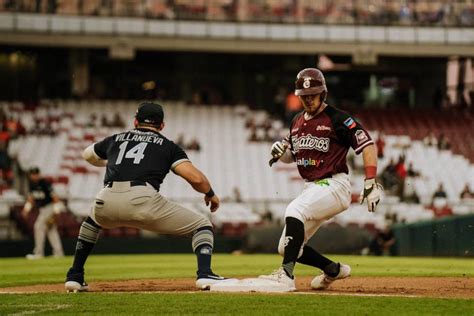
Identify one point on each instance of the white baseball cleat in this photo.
(322, 281)
(75, 281)
(280, 276)
(73, 286)
(33, 256)
(204, 281)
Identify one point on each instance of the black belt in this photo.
(133, 183)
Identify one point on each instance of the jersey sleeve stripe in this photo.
(358, 150)
(177, 162)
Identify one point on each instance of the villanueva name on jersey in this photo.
(132, 137)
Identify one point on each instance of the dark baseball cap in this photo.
(150, 113)
(34, 170)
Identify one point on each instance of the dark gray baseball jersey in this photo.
(137, 163)
(139, 154)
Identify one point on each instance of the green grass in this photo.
(19, 271)
(227, 304)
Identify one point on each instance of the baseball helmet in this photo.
(310, 81)
(34, 170)
(150, 113)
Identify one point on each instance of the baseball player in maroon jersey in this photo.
(318, 142)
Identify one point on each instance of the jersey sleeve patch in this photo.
(350, 123)
(361, 137)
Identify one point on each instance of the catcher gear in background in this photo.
(371, 192)
(310, 81)
(278, 149)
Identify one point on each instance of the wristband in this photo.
(370, 172)
(210, 193)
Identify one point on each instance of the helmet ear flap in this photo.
(323, 96)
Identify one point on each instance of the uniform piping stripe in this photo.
(89, 240)
(88, 237)
(89, 233)
(201, 240)
(203, 237)
(177, 162)
(90, 227)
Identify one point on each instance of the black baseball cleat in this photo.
(204, 281)
(75, 281)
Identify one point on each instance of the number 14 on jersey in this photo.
(136, 153)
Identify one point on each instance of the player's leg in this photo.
(309, 256)
(105, 213)
(40, 229)
(55, 240)
(330, 199)
(292, 242)
(317, 203)
(88, 236)
(166, 217)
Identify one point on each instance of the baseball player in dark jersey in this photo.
(137, 161)
(42, 196)
(318, 142)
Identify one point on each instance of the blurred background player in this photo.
(137, 162)
(42, 197)
(318, 142)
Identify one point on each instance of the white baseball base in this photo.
(250, 285)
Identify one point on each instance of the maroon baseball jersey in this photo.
(320, 144)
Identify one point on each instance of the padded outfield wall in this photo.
(450, 236)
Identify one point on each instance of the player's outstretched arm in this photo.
(372, 190)
(91, 157)
(199, 182)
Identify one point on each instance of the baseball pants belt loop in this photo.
(133, 183)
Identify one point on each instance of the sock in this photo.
(332, 269)
(203, 242)
(313, 258)
(294, 238)
(88, 235)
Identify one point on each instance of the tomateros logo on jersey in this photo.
(311, 142)
(308, 162)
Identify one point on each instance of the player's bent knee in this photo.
(346, 203)
(293, 212)
(204, 223)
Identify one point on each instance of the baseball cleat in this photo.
(280, 277)
(204, 281)
(32, 256)
(74, 287)
(75, 281)
(323, 281)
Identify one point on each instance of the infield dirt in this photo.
(440, 287)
